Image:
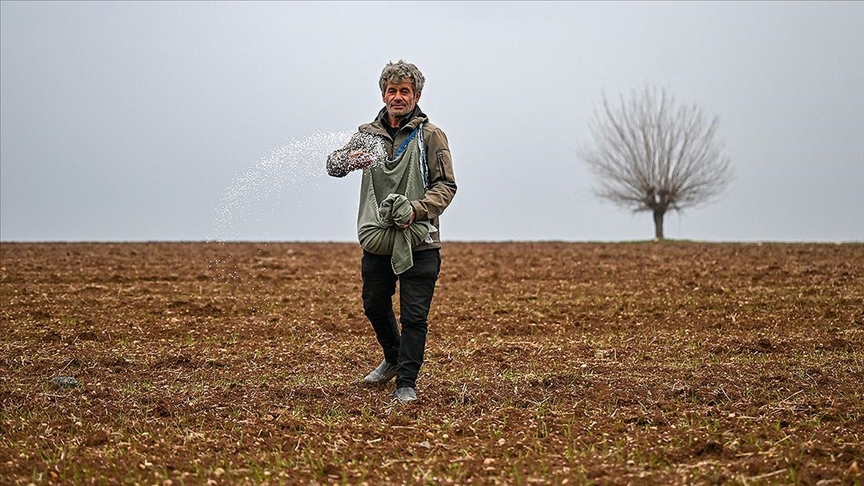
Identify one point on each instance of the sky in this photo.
(211, 121)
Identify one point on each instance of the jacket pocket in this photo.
(445, 165)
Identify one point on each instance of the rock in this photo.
(65, 382)
(96, 439)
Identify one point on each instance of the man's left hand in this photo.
(410, 220)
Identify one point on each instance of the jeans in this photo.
(416, 286)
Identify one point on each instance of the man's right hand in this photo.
(359, 159)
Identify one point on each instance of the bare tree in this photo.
(649, 155)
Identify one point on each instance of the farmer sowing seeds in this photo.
(407, 183)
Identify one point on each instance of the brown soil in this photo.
(642, 363)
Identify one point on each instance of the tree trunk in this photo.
(658, 224)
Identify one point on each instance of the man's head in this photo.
(395, 72)
(401, 84)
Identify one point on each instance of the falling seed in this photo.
(298, 161)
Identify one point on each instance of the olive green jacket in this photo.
(442, 181)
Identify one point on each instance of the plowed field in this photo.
(550, 363)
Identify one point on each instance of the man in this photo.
(407, 183)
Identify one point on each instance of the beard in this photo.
(400, 111)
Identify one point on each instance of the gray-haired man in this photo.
(401, 198)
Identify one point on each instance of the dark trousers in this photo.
(416, 286)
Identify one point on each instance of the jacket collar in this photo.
(411, 121)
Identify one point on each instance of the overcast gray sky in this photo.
(132, 121)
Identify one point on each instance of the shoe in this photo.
(404, 395)
(380, 375)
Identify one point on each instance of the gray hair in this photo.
(396, 72)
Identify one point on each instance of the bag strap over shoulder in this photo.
(406, 142)
(424, 168)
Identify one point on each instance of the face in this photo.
(400, 99)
